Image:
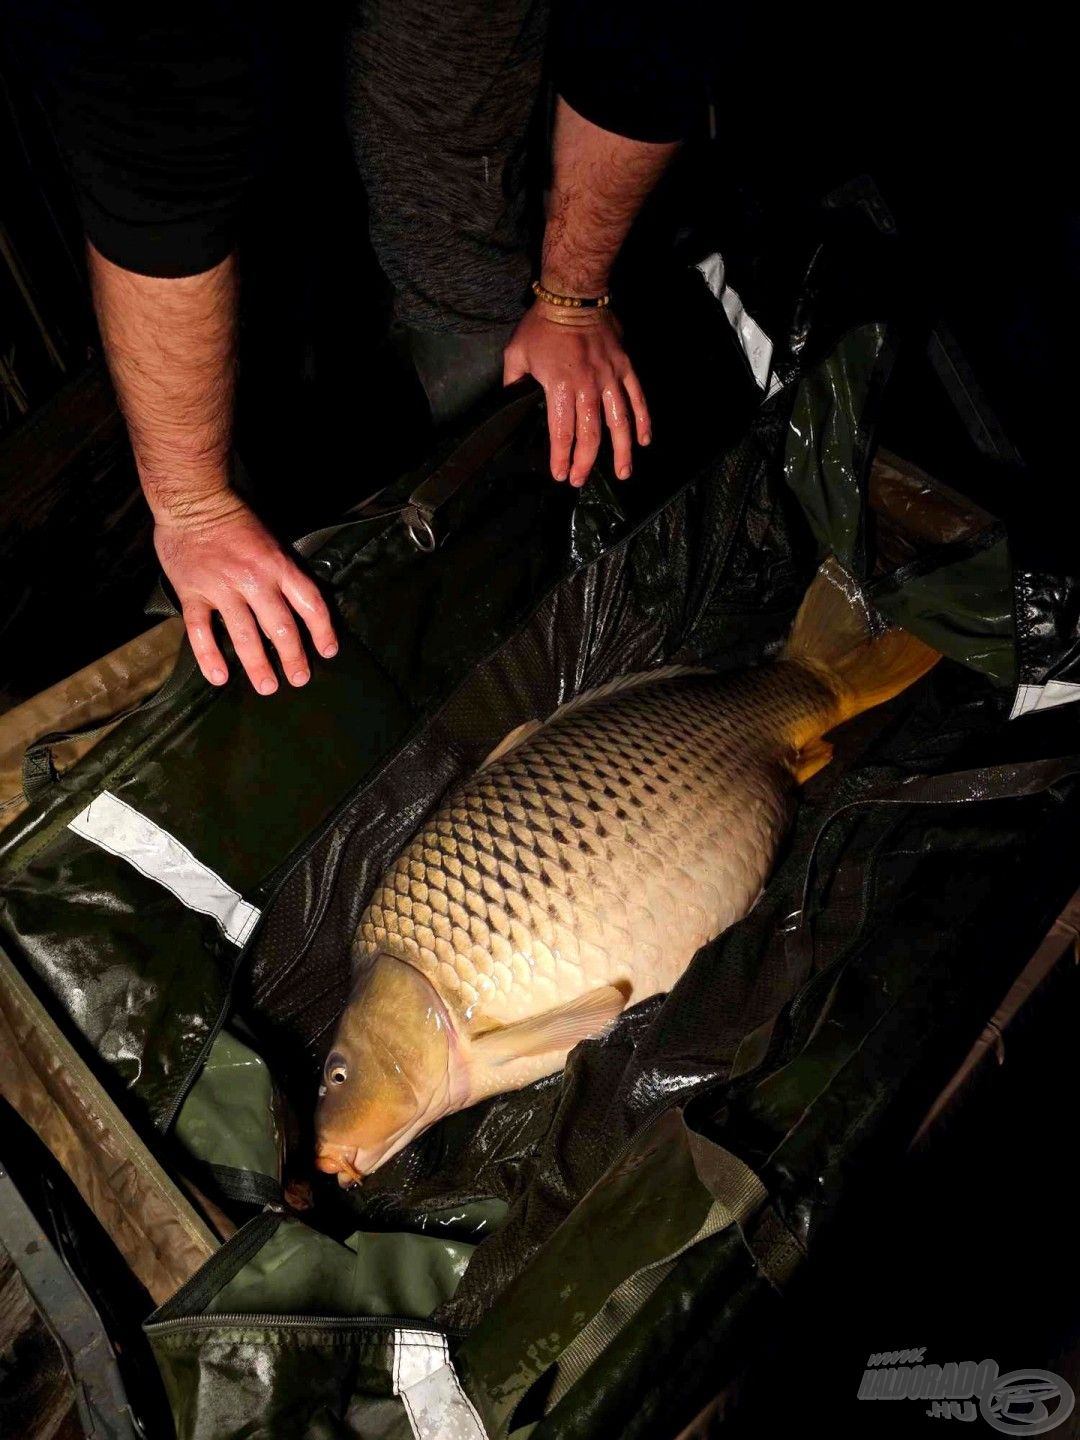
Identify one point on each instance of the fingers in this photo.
(642, 419)
(266, 610)
(587, 436)
(561, 418)
(201, 634)
(247, 642)
(279, 626)
(618, 422)
(305, 598)
(278, 623)
(576, 422)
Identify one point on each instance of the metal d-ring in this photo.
(419, 529)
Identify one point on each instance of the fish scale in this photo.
(603, 850)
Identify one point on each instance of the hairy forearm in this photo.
(600, 181)
(171, 348)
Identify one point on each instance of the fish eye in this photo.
(337, 1072)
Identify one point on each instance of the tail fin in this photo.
(837, 633)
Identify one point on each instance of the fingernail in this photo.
(646, 439)
(267, 686)
(218, 676)
(330, 651)
(299, 677)
(561, 475)
(624, 472)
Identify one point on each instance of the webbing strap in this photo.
(738, 1195)
(425, 1381)
(621, 1307)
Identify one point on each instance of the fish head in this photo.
(389, 1072)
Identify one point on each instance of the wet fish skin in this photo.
(604, 850)
(578, 873)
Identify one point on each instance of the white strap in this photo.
(125, 832)
(755, 344)
(425, 1380)
(1044, 697)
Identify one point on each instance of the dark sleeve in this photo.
(635, 68)
(161, 113)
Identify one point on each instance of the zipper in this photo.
(195, 1070)
(230, 1257)
(298, 1322)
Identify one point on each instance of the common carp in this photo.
(580, 869)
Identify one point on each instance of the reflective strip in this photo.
(134, 837)
(417, 1353)
(755, 344)
(425, 1380)
(1044, 697)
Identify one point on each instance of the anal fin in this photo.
(811, 758)
(558, 1029)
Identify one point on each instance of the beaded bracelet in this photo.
(573, 302)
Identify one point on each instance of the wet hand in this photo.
(227, 562)
(589, 383)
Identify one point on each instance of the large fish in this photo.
(580, 869)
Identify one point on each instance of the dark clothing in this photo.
(440, 96)
(640, 69)
(162, 120)
(164, 112)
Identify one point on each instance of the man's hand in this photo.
(599, 182)
(588, 381)
(170, 346)
(229, 563)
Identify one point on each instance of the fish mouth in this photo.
(340, 1160)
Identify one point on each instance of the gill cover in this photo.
(386, 1074)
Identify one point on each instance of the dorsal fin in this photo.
(606, 691)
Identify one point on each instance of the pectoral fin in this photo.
(558, 1029)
